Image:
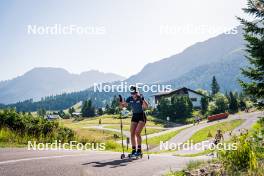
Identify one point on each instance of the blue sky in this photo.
(132, 32)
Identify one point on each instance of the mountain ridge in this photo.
(44, 81)
(222, 56)
(208, 51)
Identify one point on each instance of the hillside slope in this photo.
(203, 53)
(41, 82)
(227, 73)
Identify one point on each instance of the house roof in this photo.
(52, 116)
(177, 90)
(76, 113)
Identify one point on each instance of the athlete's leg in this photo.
(133, 127)
(138, 130)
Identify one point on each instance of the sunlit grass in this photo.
(202, 134)
(97, 135)
(155, 141)
(105, 119)
(127, 128)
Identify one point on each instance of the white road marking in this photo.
(38, 158)
(62, 156)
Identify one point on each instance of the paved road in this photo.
(20, 162)
(250, 119)
(127, 133)
(184, 135)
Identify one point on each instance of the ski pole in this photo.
(146, 135)
(121, 127)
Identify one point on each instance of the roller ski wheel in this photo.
(132, 156)
(122, 156)
(140, 155)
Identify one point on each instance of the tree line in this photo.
(213, 102)
(63, 101)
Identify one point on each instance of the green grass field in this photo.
(155, 141)
(111, 121)
(97, 135)
(127, 128)
(105, 119)
(202, 134)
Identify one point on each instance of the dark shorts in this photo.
(216, 142)
(136, 117)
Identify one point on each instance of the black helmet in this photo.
(133, 89)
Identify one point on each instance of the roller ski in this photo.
(135, 155)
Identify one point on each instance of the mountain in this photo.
(222, 56)
(45, 81)
(226, 71)
(203, 55)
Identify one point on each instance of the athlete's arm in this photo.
(122, 103)
(144, 102)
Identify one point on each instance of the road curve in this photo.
(20, 162)
(186, 134)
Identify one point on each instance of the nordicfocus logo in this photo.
(59, 29)
(72, 145)
(205, 145)
(125, 87)
(195, 29)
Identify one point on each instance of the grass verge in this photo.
(155, 141)
(203, 134)
(127, 128)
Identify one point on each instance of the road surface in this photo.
(20, 162)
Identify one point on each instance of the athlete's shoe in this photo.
(139, 154)
(133, 153)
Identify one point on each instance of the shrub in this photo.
(242, 159)
(30, 127)
(248, 158)
(218, 105)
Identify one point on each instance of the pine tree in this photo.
(242, 105)
(100, 111)
(87, 109)
(254, 35)
(215, 86)
(61, 113)
(218, 105)
(71, 110)
(233, 103)
(164, 108)
(204, 104)
(114, 108)
(107, 109)
(41, 112)
(181, 106)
